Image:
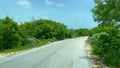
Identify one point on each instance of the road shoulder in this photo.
(95, 60)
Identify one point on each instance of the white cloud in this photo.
(24, 3)
(44, 17)
(47, 2)
(61, 5)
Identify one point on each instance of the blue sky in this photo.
(73, 13)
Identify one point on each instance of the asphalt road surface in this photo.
(62, 54)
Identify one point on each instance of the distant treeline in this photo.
(13, 35)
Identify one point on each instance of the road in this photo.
(62, 54)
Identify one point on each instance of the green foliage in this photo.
(30, 34)
(13, 35)
(106, 44)
(71, 33)
(107, 11)
(97, 41)
(83, 32)
(43, 29)
(108, 29)
(29, 41)
(9, 36)
(26, 30)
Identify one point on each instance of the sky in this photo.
(73, 13)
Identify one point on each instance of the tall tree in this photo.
(107, 12)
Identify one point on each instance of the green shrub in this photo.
(107, 46)
(52, 40)
(30, 41)
(9, 35)
(97, 42)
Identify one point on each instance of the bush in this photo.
(9, 35)
(107, 46)
(30, 41)
(52, 40)
(97, 42)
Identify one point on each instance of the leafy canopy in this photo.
(107, 11)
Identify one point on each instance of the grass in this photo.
(21, 48)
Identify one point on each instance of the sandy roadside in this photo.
(95, 60)
(8, 54)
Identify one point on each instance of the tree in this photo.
(107, 12)
(106, 42)
(83, 32)
(9, 36)
(43, 29)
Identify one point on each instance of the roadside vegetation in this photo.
(105, 39)
(16, 37)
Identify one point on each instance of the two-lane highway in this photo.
(62, 54)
